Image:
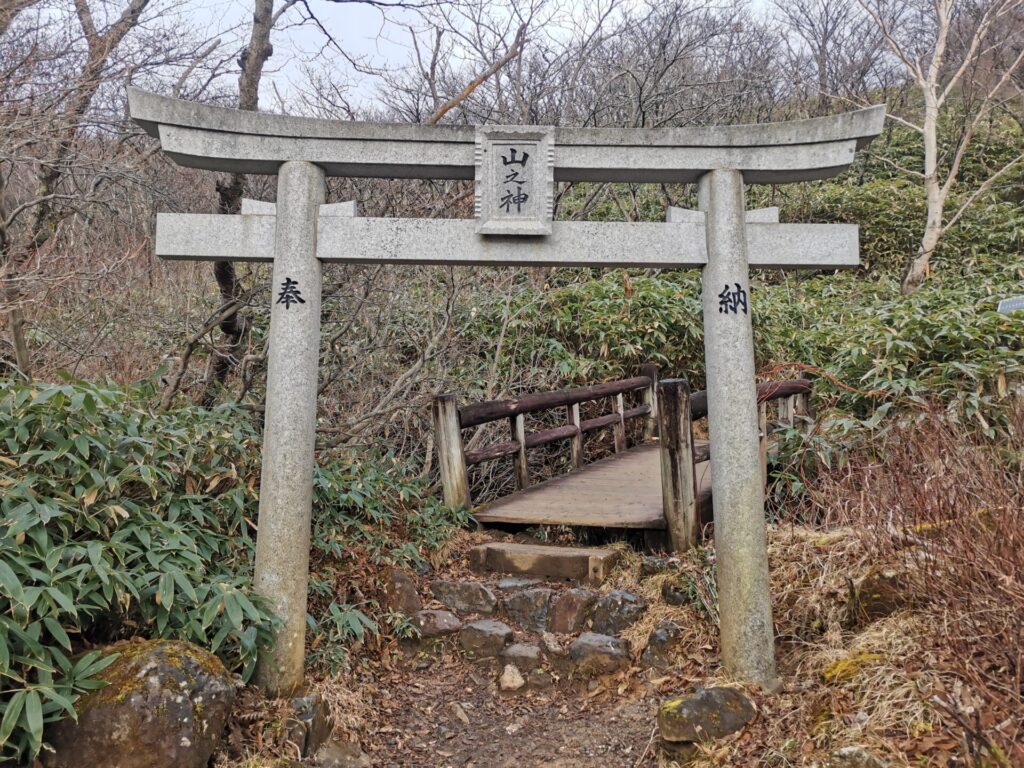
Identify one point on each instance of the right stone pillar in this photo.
(741, 542)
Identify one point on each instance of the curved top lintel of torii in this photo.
(220, 139)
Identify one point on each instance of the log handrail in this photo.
(767, 390)
(495, 410)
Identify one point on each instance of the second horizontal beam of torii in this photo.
(344, 237)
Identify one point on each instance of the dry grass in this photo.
(940, 505)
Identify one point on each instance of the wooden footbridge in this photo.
(662, 483)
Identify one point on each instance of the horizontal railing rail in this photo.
(493, 410)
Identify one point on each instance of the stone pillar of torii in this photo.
(515, 169)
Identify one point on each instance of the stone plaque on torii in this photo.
(515, 169)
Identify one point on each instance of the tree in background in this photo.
(966, 58)
(63, 155)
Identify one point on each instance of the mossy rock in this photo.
(164, 706)
(710, 713)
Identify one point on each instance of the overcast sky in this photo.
(363, 31)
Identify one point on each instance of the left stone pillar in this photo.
(286, 485)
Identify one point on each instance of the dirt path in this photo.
(423, 714)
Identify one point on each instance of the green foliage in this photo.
(116, 520)
(368, 513)
(945, 343)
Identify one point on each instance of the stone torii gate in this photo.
(515, 169)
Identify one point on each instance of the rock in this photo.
(308, 726)
(571, 609)
(432, 623)
(680, 752)
(165, 706)
(529, 609)
(551, 646)
(458, 712)
(596, 654)
(464, 596)
(661, 641)
(677, 591)
(400, 592)
(525, 657)
(854, 757)
(616, 611)
(517, 582)
(511, 679)
(710, 713)
(652, 565)
(485, 638)
(878, 593)
(342, 754)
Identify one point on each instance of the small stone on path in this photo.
(652, 565)
(434, 623)
(674, 591)
(710, 713)
(511, 678)
(464, 596)
(517, 582)
(485, 637)
(660, 643)
(458, 712)
(525, 657)
(341, 754)
(551, 645)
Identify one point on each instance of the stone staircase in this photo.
(530, 631)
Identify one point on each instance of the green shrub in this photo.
(369, 511)
(118, 519)
(115, 520)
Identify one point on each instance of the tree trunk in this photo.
(229, 200)
(919, 269)
(935, 201)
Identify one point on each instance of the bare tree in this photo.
(66, 158)
(952, 51)
(835, 48)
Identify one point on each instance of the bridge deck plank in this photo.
(622, 491)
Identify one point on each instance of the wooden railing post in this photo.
(650, 370)
(576, 444)
(678, 482)
(518, 426)
(802, 406)
(619, 428)
(451, 459)
(787, 410)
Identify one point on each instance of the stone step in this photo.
(569, 563)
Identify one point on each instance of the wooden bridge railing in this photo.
(668, 408)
